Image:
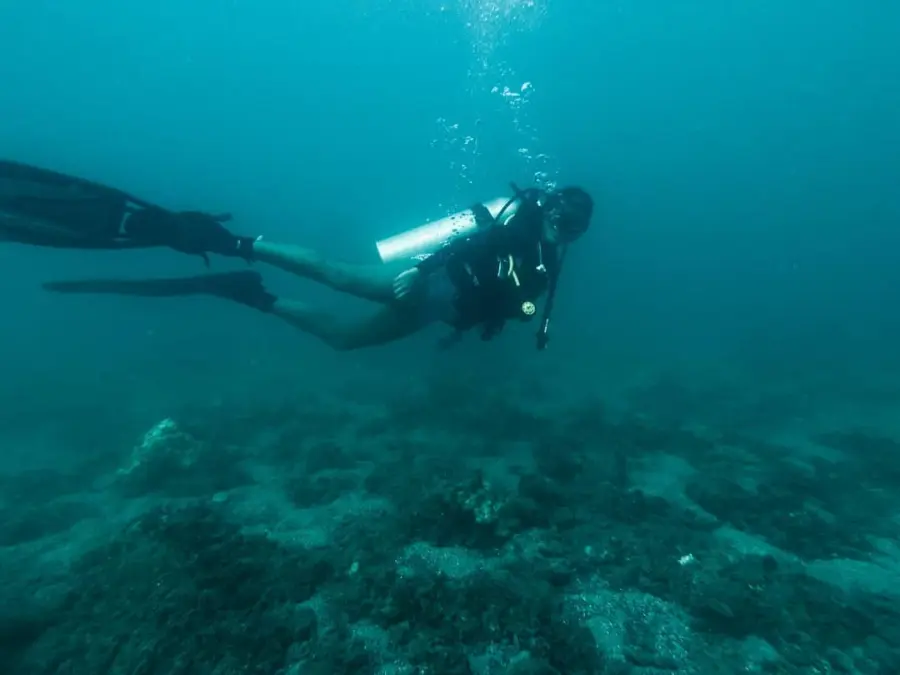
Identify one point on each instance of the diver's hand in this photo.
(407, 282)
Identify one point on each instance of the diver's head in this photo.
(567, 215)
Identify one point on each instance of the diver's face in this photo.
(567, 215)
(560, 226)
(550, 232)
(555, 230)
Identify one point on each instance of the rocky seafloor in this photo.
(422, 535)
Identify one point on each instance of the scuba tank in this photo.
(420, 242)
(423, 241)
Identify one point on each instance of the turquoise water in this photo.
(732, 312)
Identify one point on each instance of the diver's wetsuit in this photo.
(46, 208)
(497, 274)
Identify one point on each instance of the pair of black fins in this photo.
(45, 208)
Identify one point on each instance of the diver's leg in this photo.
(388, 324)
(369, 282)
(391, 323)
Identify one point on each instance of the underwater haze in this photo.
(743, 157)
(740, 281)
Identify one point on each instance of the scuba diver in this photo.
(479, 268)
(46, 208)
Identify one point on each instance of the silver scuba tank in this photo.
(420, 242)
